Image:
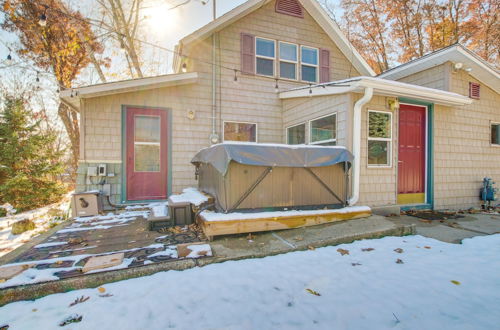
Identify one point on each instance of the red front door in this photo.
(411, 155)
(147, 154)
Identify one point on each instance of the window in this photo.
(324, 131)
(265, 56)
(296, 134)
(379, 138)
(147, 144)
(245, 132)
(495, 134)
(288, 60)
(309, 64)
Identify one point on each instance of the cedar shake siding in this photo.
(250, 99)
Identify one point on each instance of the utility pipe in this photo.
(356, 143)
(213, 137)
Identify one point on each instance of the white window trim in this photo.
(493, 144)
(336, 128)
(265, 57)
(368, 138)
(297, 62)
(240, 122)
(310, 65)
(292, 126)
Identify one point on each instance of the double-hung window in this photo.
(288, 60)
(265, 56)
(495, 134)
(296, 134)
(309, 64)
(323, 130)
(379, 138)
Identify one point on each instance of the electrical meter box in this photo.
(86, 204)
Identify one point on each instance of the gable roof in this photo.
(311, 6)
(457, 53)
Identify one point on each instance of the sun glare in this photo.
(161, 20)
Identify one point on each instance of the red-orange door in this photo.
(147, 154)
(411, 154)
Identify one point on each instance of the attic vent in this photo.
(474, 90)
(289, 7)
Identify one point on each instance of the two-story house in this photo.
(281, 71)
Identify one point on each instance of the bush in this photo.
(22, 226)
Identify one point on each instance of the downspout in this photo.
(214, 138)
(356, 143)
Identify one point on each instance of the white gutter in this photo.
(356, 143)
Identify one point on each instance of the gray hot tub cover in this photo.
(282, 155)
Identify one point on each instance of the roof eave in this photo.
(73, 96)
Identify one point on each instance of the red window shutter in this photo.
(247, 53)
(474, 90)
(289, 7)
(324, 65)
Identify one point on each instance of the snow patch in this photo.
(189, 195)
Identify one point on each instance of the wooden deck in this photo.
(238, 226)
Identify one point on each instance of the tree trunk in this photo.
(69, 118)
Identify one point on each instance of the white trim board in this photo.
(382, 87)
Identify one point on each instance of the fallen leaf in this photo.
(313, 292)
(59, 262)
(342, 251)
(298, 238)
(34, 310)
(2, 280)
(250, 237)
(101, 289)
(425, 220)
(106, 295)
(455, 282)
(399, 261)
(427, 247)
(355, 264)
(398, 250)
(367, 249)
(310, 247)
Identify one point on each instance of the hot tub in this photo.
(249, 176)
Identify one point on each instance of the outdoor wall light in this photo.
(393, 104)
(214, 138)
(184, 67)
(458, 65)
(191, 114)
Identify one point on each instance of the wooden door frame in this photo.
(124, 109)
(429, 155)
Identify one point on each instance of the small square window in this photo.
(245, 132)
(296, 134)
(265, 67)
(379, 138)
(324, 130)
(495, 133)
(288, 52)
(309, 55)
(265, 47)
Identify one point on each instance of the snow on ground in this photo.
(41, 217)
(189, 195)
(213, 216)
(358, 290)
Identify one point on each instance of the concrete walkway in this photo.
(453, 230)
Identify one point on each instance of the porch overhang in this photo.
(73, 96)
(381, 87)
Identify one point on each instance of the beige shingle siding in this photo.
(435, 77)
(462, 150)
(378, 185)
(303, 110)
(252, 99)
